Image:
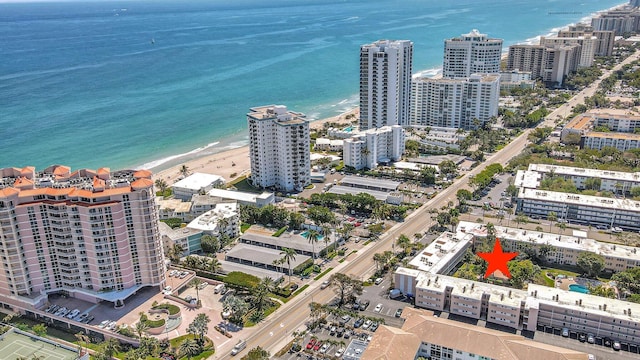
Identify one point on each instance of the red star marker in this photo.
(498, 260)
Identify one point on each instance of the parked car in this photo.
(345, 319)
(347, 334)
(293, 287)
(398, 312)
(311, 344)
(324, 348)
(325, 284)
(379, 281)
(173, 272)
(358, 323)
(582, 337)
(616, 345)
(591, 339)
(364, 305)
(88, 319)
(374, 326)
(366, 324)
(378, 308)
(82, 317)
(112, 325)
(565, 332)
(339, 353)
(103, 324)
(317, 346)
(607, 342)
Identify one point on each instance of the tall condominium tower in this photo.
(471, 53)
(385, 83)
(456, 103)
(92, 235)
(279, 148)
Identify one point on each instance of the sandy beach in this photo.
(233, 163)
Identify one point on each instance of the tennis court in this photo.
(14, 346)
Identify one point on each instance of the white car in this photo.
(111, 326)
(167, 290)
(366, 324)
(103, 324)
(324, 347)
(73, 314)
(173, 272)
(379, 281)
(339, 353)
(378, 308)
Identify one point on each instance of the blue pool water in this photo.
(578, 288)
(348, 129)
(305, 233)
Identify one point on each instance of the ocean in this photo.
(132, 84)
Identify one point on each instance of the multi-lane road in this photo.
(276, 331)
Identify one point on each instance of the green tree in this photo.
(345, 287)
(321, 215)
(312, 237)
(110, 348)
(175, 253)
(428, 175)
(140, 328)
(522, 272)
(213, 265)
(590, 263)
(288, 255)
(161, 185)
(257, 353)
(189, 348)
(552, 217)
(184, 171)
(604, 291)
(195, 283)
(404, 242)
(261, 293)
(296, 220)
(40, 330)
(448, 168)
(592, 183)
(199, 326)
(237, 307)
(209, 244)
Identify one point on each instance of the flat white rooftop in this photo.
(583, 172)
(441, 252)
(527, 179)
(365, 182)
(209, 220)
(238, 195)
(579, 199)
(341, 190)
(582, 302)
(559, 241)
(197, 181)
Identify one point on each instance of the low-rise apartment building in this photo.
(620, 128)
(196, 183)
(425, 335)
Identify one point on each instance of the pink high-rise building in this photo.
(91, 235)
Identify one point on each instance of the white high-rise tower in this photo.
(279, 148)
(470, 54)
(385, 83)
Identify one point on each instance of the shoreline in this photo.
(234, 161)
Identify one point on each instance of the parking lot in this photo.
(552, 337)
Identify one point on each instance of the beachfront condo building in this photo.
(464, 103)
(91, 235)
(374, 146)
(385, 83)
(621, 20)
(551, 63)
(586, 50)
(606, 38)
(471, 53)
(279, 148)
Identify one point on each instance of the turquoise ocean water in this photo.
(139, 83)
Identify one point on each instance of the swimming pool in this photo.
(348, 129)
(305, 233)
(578, 288)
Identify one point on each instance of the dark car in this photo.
(582, 337)
(398, 312)
(358, 323)
(607, 342)
(374, 326)
(293, 287)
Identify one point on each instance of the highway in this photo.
(276, 331)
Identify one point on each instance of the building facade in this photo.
(455, 103)
(471, 53)
(279, 148)
(91, 235)
(586, 51)
(621, 20)
(374, 146)
(606, 38)
(620, 128)
(385, 83)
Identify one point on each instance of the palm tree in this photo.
(199, 326)
(326, 232)
(196, 284)
(82, 338)
(175, 253)
(552, 217)
(261, 293)
(140, 328)
(404, 242)
(277, 263)
(312, 237)
(110, 347)
(161, 185)
(214, 265)
(189, 348)
(184, 171)
(288, 255)
(223, 224)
